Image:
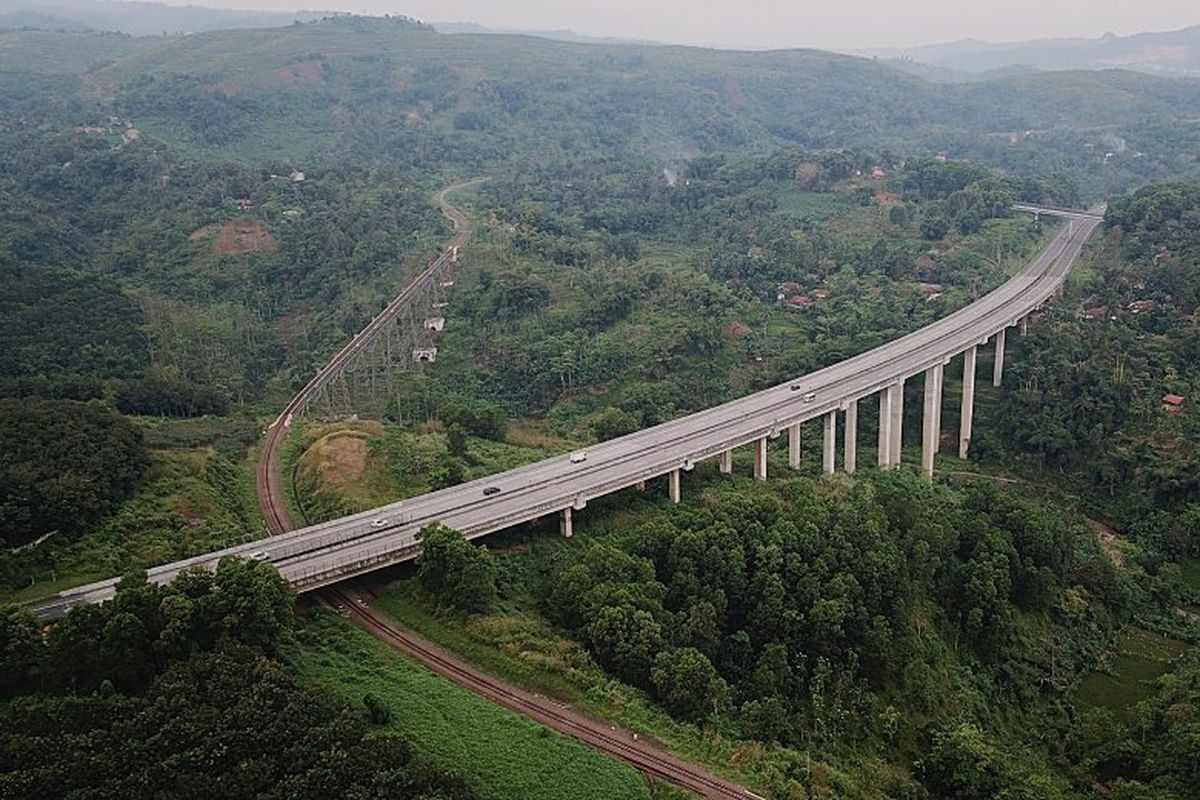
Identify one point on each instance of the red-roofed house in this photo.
(1173, 403)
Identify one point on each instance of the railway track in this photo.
(643, 756)
(268, 483)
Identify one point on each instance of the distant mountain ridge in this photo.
(557, 35)
(138, 18)
(1169, 54)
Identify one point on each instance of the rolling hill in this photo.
(361, 87)
(1170, 53)
(137, 18)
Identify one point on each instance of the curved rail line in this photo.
(641, 754)
(304, 556)
(269, 485)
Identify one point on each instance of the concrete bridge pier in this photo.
(998, 365)
(829, 460)
(725, 464)
(564, 523)
(760, 459)
(1025, 325)
(885, 428)
(850, 454)
(937, 408)
(897, 426)
(968, 401)
(932, 420)
(794, 446)
(674, 487)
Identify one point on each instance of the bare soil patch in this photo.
(337, 459)
(1109, 541)
(531, 433)
(238, 237)
(736, 329)
(306, 73)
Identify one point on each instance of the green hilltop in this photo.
(362, 87)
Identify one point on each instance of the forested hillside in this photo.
(178, 692)
(191, 225)
(396, 90)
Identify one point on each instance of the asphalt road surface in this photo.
(323, 554)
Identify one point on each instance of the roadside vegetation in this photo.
(740, 630)
(179, 691)
(497, 753)
(639, 619)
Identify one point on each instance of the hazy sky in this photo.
(780, 23)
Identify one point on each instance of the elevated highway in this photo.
(324, 554)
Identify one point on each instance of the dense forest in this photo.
(884, 636)
(176, 691)
(1090, 384)
(582, 302)
(190, 226)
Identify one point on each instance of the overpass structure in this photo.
(323, 554)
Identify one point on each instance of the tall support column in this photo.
(564, 523)
(760, 459)
(794, 446)
(937, 408)
(932, 429)
(998, 365)
(897, 429)
(640, 486)
(850, 454)
(885, 427)
(1025, 325)
(725, 465)
(674, 489)
(830, 445)
(968, 401)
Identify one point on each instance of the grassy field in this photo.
(502, 755)
(1142, 657)
(518, 644)
(811, 205)
(1189, 573)
(344, 467)
(197, 496)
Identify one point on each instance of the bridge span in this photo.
(320, 555)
